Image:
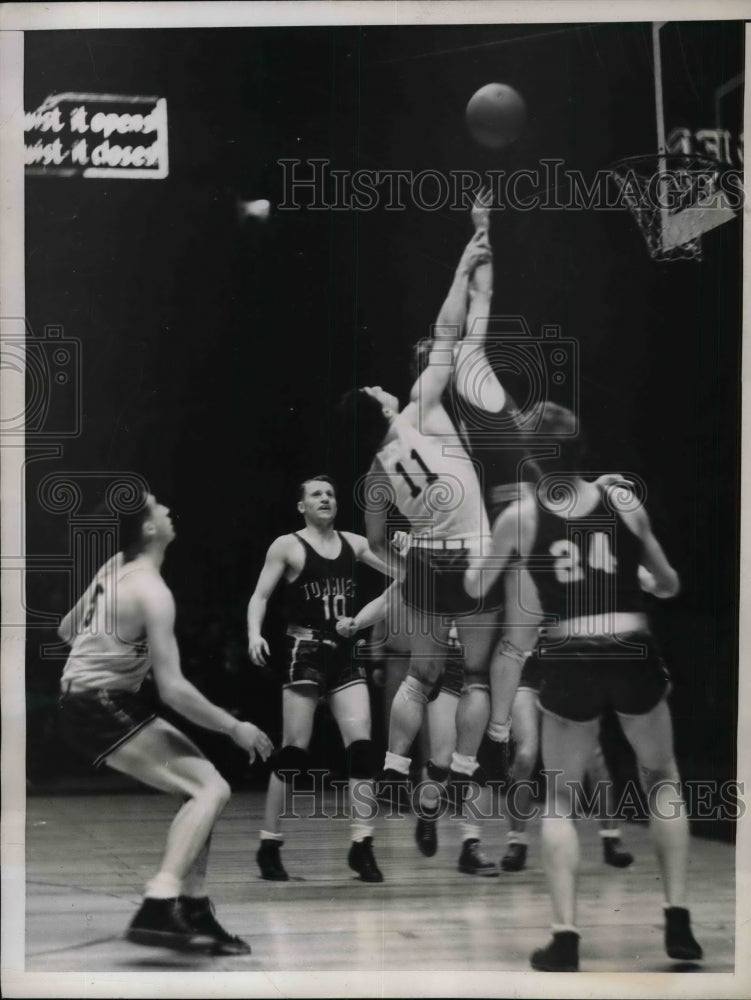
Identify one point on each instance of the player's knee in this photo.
(215, 790)
(653, 777)
(476, 682)
(415, 690)
(361, 759)
(525, 759)
(291, 763)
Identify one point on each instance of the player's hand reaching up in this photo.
(252, 739)
(481, 209)
(476, 252)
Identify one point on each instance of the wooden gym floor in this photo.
(87, 858)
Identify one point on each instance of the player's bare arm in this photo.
(664, 580)
(276, 564)
(158, 611)
(389, 566)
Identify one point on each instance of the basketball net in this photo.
(674, 200)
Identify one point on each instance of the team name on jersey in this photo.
(330, 586)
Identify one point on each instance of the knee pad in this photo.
(361, 759)
(291, 762)
(477, 684)
(513, 652)
(435, 773)
(415, 690)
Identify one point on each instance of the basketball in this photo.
(496, 115)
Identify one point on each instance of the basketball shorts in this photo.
(530, 678)
(452, 679)
(97, 722)
(314, 659)
(592, 677)
(434, 582)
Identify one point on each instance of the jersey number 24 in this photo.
(568, 564)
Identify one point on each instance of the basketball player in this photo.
(525, 728)
(317, 567)
(422, 467)
(439, 727)
(583, 545)
(122, 627)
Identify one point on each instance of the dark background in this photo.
(214, 351)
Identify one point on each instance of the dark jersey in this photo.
(494, 441)
(324, 591)
(585, 566)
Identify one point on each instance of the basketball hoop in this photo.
(674, 199)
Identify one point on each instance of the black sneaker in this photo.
(680, 943)
(426, 835)
(613, 855)
(269, 861)
(161, 923)
(361, 860)
(199, 913)
(393, 789)
(473, 862)
(515, 858)
(495, 759)
(561, 955)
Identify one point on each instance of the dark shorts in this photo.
(593, 677)
(531, 675)
(434, 582)
(452, 679)
(97, 722)
(329, 664)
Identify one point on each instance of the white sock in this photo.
(516, 837)
(558, 928)
(395, 762)
(266, 835)
(470, 831)
(499, 732)
(360, 831)
(610, 834)
(462, 764)
(163, 885)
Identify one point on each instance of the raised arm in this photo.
(513, 537)
(158, 610)
(475, 379)
(430, 385)
(75, 619)
(271, 574)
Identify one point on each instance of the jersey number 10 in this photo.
(568, 565)
(334, 606)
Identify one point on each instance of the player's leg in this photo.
(350, 706)
(566, 747)
(291, 765)
(161, 756)
(477, 634)
(525, 727)
(651, 736)
(600, 781)
(428, 649)
(441, 731)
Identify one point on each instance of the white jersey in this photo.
(99, 658)
(435, 484)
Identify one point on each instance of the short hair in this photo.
(364, 415)
(313, 479)
(551, 420)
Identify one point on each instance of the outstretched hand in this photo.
(253, 740)
(480, 211)
(476, 252)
